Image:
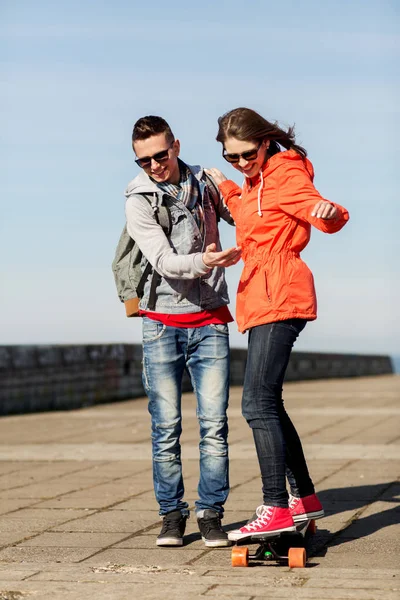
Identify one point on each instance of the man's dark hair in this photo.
(151, 125)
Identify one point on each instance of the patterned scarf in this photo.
(186, 191)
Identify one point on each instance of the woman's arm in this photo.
(298, 197)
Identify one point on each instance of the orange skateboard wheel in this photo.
(297, 558)
(240, 556)
(312, 527)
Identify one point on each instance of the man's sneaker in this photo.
(269, 521)
(305, 508)
(172, 530)
(211, 531)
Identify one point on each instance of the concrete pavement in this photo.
(78, 518)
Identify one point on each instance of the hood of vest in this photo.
(142, 184)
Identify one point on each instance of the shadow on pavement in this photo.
(357, 498)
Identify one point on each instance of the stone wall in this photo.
(39, 378)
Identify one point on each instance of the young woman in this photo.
(273, 212)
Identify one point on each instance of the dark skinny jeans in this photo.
(278, 445)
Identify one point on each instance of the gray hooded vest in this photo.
(186, 284)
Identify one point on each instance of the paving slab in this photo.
(31, 555)
(73, 540)
(78, 518)
(112, 522)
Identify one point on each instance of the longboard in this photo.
(286, 548)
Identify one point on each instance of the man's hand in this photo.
(216, 175)
(225, 258)
(324, 210)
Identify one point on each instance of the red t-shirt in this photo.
(219, 316)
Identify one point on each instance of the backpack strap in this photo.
(214, 192)
(221, 210)
(140, 287)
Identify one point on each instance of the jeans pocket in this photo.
(297, 325)
(221, 328)
(152, 330)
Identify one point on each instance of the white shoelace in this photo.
(293, 502)
(264, 514)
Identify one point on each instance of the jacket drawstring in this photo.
(260, 187)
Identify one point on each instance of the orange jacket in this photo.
(273, 225)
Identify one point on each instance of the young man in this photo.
(184, 325)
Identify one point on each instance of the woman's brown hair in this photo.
(247, 125)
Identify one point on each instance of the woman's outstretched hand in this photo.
(225, 258)
(216, 174)
(324, 210)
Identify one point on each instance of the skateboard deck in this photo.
(285, 548)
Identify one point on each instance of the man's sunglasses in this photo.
(159, 157)
(248, 155)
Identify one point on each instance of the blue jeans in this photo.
(204, 353)
(278, 445)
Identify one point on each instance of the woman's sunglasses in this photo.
(159, 157)
(249, 155)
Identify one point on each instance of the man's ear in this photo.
(177, 147)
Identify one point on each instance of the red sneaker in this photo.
(269, 521)
(305, 508)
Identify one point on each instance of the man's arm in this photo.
(154, 245)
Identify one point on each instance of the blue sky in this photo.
(75, 77)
